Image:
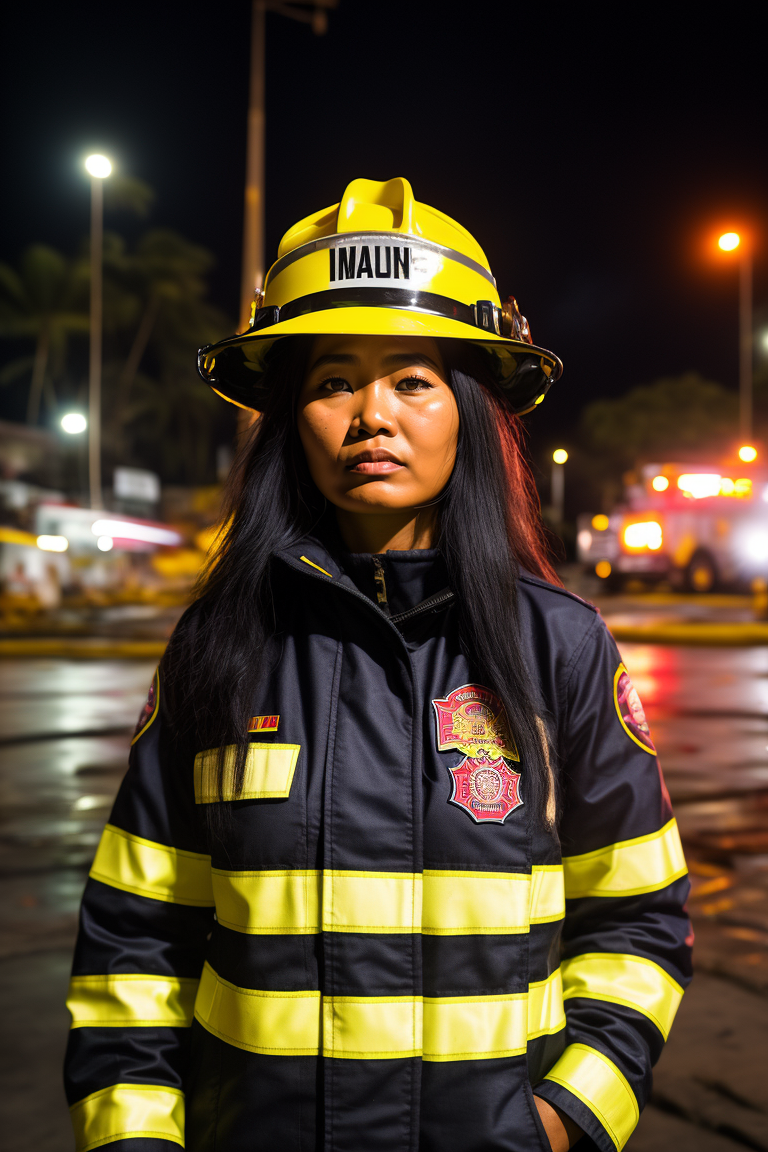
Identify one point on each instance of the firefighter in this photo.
(391, 868)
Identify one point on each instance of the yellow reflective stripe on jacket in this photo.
(378, 1027)
(123, 1111)
(599, 1084)
(628, 868)
(624, 979)
(547, 893)
(443, 903)
(134, 864)
(372, 1027)
(267, 775)
(270, 1023)
(135, 1001)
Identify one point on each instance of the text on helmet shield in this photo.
(383, 265)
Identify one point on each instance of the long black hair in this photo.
(488, 529)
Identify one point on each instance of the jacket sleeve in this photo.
(145, 918)
(626, 945)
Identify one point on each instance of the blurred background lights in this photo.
(660, 483)
(53, 543)
(728, 241)
(98, 166)
(559, 455)
(747, 453)
(600, 522)
(105, 543)
(127, 530)
(73, 423)
(603, 569)
(643, 535)
(700, 484)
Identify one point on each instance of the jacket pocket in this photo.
(269, 771)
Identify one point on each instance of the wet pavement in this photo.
(65, 730)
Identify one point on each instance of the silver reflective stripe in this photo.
(394, 238)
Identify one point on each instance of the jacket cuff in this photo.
(590, 1089)
(125, 1114)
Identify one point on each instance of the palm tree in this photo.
(46, 302)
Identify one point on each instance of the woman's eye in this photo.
(413, 384)
(336, 384)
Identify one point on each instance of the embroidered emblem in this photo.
(630, 710)
(149, 711)
(263, 723)
(472, 720)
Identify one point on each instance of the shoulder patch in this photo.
(149, 711)
(630, 711)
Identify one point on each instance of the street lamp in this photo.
(559, 457)
(74, 423)
(314, 12)
(98, 168)
(732, 242)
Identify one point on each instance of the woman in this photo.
(384, 746)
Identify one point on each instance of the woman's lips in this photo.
(376, 462)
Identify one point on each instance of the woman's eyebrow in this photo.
(334, 358)
(402, 359)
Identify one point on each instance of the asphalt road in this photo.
(65, 728)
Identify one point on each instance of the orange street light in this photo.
(730, 242)
(747, 453)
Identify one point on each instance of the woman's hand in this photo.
(562, 1132)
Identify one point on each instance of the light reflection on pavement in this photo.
(66, 727)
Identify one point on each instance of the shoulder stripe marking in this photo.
(313, 565)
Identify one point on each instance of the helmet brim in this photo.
(235, 367)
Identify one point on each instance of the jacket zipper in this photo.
(381, 585)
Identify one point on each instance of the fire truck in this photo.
(696, 526)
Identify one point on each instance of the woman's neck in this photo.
(389, 531)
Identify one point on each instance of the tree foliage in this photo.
(156, 411)
(676, 418)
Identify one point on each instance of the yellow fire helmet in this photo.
(380, 262)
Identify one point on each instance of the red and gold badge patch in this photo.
(631, 711)
(472, 720)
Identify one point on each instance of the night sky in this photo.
(593, 157)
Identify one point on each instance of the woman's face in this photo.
(378, 422)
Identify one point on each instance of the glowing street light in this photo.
(731, 242)
(74, 423)
(98, 168)
(747, 453)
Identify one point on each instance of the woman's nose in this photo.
(373, 411)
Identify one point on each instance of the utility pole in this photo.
(253, 270)
(98, 168)
(745, 345)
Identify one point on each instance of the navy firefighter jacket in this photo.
(381, 949)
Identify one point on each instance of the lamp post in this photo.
(253, 224)
(557, 492)
(98, 168)
(730, 242)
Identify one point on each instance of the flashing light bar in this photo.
(128, 530)
(646, 534)
(700, 485)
